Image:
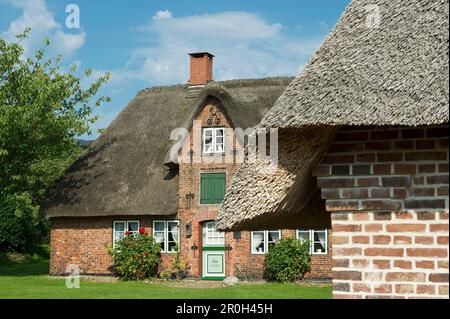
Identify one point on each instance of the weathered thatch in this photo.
(386, 69)
(394, 73)
(290, 188)
(122, 172)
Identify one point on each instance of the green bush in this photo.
(288, 260)
(19, 223)
(135, 257)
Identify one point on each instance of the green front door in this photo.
(213, 252)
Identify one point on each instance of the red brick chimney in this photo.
(201, 65)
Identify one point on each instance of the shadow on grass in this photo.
(23, 269)
(34, 264)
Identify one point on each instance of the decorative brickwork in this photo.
(387, 191)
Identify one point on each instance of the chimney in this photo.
(201, 65)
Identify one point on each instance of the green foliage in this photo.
(42, 109)
(288, 260)
(135, 257)
(18, 220)
(179, 266)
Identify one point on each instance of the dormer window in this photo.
(213, 140)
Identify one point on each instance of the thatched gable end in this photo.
(122, 172)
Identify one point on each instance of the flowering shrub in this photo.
(135, 256)
(288, 260)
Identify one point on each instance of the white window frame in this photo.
(126, 222)
(265, 241)
(311, 240)
(214, 136)
(217, 236)
(166, 234)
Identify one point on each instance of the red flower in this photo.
(141, 230)
(127, 233)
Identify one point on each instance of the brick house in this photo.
(363, 137)
(128, 179)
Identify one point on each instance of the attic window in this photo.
(213, 140)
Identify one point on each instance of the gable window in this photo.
(262, 241)
(214, 140)
(318, 240)
(212, 188)
(167, 234)
(121, 228)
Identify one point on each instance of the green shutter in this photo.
(212, 188)
(205, 188)
(219, 188)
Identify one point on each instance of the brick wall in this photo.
(83, 241)
(387, 191)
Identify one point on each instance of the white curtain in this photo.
(159, 237)
(258, 238)
(321, 238)
(174, 229)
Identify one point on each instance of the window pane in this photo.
(118, 235)
(172, 246)
(303, 235)
(319, 248)
(219, 148)
(133, 227)
(208, 140)
(158, 226)
(220, 132)
(219, 140)
(258, 242)
(174, 231)
(320, 241)
(273, 236)
(119, 226)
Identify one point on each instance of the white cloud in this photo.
(36, 15)
(166, 14)
(245, 46)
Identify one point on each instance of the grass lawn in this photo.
(29, 279)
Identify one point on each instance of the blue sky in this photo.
(144, 43)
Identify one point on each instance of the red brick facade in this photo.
(83, 241)
(387, 191)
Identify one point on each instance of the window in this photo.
(212, 236)
(121, 227)
(318, 240)
(263, 241)
(212, 188)
(167, 234)
(213, 140)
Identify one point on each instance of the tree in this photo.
(42, 110)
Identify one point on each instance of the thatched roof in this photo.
(122, 172)
(394, 74)
(391, 71)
